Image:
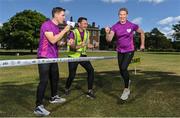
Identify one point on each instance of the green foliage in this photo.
(176, 45)
(137, 41)
(157, 40)
(103, 42)
(22, 30)
(104, 45)
(176, 35)
(176, 29)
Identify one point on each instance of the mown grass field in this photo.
(155, 90)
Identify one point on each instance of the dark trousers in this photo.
(47, 72)
(124, 59)
(72, 72)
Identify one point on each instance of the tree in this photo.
(104, 45)
(176, 35)
(1, 38)
(137, 41)
(103, 42)
(176, 29)
(148, 41)
(157, 40)
(22, 30)
(176, 45)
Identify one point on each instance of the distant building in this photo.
(94, 33)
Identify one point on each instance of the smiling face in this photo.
(123, 14)
(83, 24)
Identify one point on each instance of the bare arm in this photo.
(54, 39)
(139, 30)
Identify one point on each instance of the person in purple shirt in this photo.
(123, 30)
(50, 35)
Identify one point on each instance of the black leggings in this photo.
(72, 72)
(124, 59)
(47, 71)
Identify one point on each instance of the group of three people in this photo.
(78, 42)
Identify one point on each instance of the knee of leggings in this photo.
(123, 68)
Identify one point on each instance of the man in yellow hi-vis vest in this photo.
(80, 38)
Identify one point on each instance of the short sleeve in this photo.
(46, 28)
(113, 28)
(135, 27)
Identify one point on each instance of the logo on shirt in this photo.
(128, 30)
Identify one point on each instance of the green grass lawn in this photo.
(155, 90)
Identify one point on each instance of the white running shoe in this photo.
(125, 94)
(57, 99)
(41, 111)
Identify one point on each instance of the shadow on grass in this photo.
(107, 82)
(15, 95)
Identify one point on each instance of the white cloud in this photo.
(166, 21)
(166, 28)
(114, 1)
(152, 1)
(169, 20)
(65, 0)
(167, 31)
(137, 20)
(177, 19)
(165, 25)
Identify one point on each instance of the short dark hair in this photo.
(123, 9)
(57, 9)
(80, 19)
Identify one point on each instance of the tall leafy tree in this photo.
(176, 29)
(22, 30)
(157, 40)
(176, 35)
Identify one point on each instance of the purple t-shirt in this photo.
(124, 35)
(46, 48)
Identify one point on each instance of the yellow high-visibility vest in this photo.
(77, 38)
